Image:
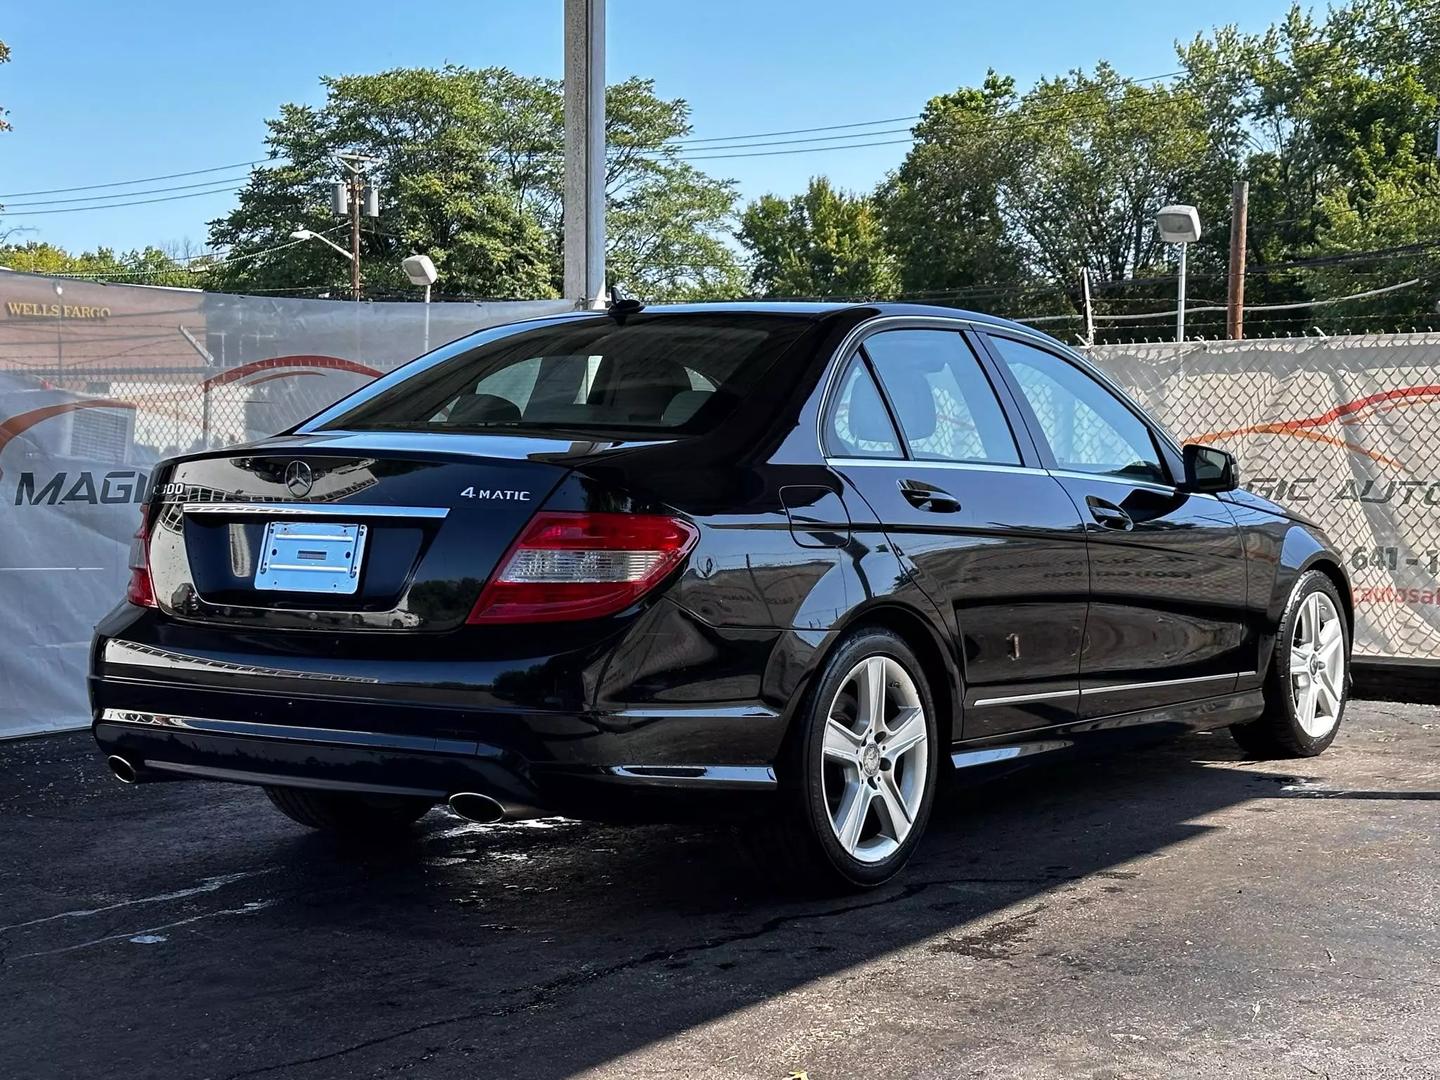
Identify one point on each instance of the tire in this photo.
(1291, 727)
(348, 814)
(890, 772)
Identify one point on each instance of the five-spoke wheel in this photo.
(858, 778)
(876, 758)
(1306, 685)
(1317, 665)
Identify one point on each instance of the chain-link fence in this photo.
(1343, 430)
(98, 382)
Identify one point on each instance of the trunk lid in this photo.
(346, 531)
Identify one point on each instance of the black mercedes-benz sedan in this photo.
(793, 563)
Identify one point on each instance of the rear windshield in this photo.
(674, 373)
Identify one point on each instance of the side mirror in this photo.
(1210, 470)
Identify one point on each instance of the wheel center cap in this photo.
(1315, 665)
(870, 760)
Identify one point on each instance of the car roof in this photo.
(820, 309)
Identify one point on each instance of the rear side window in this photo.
(1088, 428)
(859, 426)
(944, 401)
(673, 373)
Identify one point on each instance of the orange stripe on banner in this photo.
(1416, 395)
(285, 375)
(16, 425)
(1312, 436)
(334, 362)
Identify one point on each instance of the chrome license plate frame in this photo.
(311, 557)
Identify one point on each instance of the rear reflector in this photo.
(582, 566)
(141, 591)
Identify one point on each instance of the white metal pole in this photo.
(584, 199)
(1089, 311)
(1180, 308)
(427, 318)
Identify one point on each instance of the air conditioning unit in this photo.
(102, 435)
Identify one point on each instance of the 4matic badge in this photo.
(500, 494)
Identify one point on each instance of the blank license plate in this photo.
(311, 556)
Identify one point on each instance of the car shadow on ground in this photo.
(532, 949)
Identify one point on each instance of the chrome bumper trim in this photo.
(716, 777)
(327, 736)
(316, 510)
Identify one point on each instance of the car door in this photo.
(1167, 567)
(991, 538)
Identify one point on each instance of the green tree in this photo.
(148, 266)
(822, 243)
(942, 208)
(1337, 117)
(470, 166)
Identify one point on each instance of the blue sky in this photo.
(101, 92)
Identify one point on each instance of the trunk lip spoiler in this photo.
(326, 510)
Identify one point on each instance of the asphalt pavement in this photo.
(1175, 911)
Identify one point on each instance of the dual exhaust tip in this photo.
(123, 769)
(470, 805)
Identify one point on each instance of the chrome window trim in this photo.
(327, 510)
(912, 463)
(1148, 485)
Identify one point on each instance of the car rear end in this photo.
(458, 580)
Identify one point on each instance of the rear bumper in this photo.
(167, 746)
(181, 703)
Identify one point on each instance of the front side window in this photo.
(669, 373)
(1088, 428)
(942, 397)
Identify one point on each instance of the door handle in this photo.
(1109, 515)
(925, 496)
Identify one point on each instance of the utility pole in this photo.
(348, 196)
(1235, 301)
(584, 207)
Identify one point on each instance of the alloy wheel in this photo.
(1317, 665)
(876, 758)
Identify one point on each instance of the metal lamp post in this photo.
(421, 271)
(1179, 225)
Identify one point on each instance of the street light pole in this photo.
(420, 269)
(1179, 224)
(1180, 307)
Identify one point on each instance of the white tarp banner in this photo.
(97, 382)
(1344, 430)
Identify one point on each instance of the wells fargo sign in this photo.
(23, 309)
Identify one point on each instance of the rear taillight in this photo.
(582, 566)
(141, 591)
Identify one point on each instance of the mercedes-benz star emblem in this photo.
(299, 479)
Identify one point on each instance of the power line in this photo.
(127, 183)
(793, 131)
(126, 194)
(802, 150)
(134, 202)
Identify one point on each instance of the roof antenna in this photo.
(621, 305)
